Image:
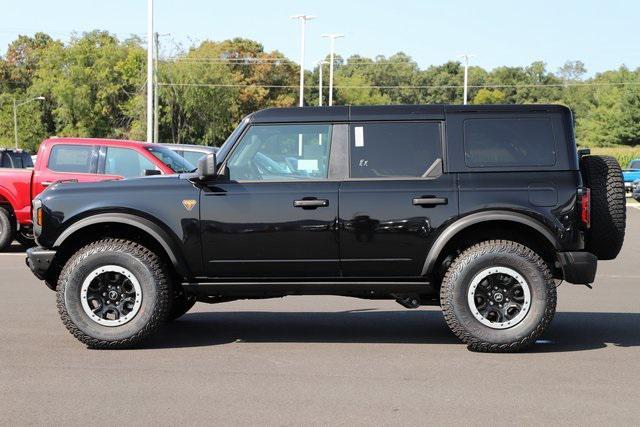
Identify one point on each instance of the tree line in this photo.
(94, 86)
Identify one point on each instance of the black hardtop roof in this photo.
(389, 112)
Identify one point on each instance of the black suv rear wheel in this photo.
(113, 293)
(498, 296)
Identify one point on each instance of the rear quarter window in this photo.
(509, 142)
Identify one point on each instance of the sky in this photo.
(602, 34)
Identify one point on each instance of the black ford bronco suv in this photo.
(482, 210)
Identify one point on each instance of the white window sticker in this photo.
(308, 165)
(359, 136)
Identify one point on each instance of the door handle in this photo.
(46, 183)
(310, 203)
(429, 201)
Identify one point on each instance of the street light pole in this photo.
(332, 38)
(156, 94)
(149, 70)
(320, 64)
(303, 23)
(466, 58)
(15, 123)
(15, 116)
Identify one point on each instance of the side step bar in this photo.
(305, 287)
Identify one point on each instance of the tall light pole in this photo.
(16, 104)
(149, 71)
(320, 64)
(156, 94)
(303, 23)
(332, 38)
(466, 58)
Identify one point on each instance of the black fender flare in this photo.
(162, 237)
(479, 217)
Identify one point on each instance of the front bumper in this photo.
(39, 261)
(578, 267)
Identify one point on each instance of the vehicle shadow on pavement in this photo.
(14, 249)
(359, 326)
(576, 331)
(570, 331)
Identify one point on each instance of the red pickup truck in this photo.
(75, 159)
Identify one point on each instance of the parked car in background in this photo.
(18, 159)
(636, 190)
(191, 152)
(630, 174)
(79, 160)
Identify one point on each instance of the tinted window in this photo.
(6, 160)
(72, 158)
(382, 150)
(509, 142)
(281, 152)
(126, 162)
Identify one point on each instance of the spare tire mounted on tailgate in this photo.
(603, 176)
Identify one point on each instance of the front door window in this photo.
(281, 153)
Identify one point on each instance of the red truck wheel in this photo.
(7, 229)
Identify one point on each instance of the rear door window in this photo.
(517, 142)
(388, 150)
(73, 158)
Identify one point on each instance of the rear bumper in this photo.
(39, 261)
(578, 267)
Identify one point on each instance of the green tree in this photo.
(489, 96)
(93, 84)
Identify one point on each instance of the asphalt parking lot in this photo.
(320, 360)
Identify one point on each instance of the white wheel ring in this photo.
(111, 269)
(526, 305)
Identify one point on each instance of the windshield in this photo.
(177, 163)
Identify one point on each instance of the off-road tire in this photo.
(154, 280)
(181, 303)
(498, 253)
(7, 229)
(602, 174)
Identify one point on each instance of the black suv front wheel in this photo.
(113, 293)
(498, 296)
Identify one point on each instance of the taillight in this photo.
(585, 207)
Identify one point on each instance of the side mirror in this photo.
(151, 172)
(207, 167)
